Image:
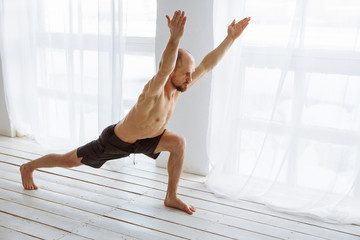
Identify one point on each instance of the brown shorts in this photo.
(108, 146)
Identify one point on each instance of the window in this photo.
(139, 61)
(321, 89)
(68, 56)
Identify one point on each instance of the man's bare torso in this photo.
(148, 117)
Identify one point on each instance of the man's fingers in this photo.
(180, 17)
(174, 16)
(184, 21)
(177, 16)
(245, 20)
(175, 13)
(168, 19)
(243, 23)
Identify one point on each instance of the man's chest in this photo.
(163, 108)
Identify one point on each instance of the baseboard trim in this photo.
(7, 132)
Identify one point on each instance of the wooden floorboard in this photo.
(126, 202)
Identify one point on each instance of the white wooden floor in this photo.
(127, 203)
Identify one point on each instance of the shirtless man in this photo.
(143, 129)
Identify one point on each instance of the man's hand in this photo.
(177, 24)
(235, 29)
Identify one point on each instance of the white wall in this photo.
(5, 125)
(191, 114)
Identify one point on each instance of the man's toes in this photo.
(188, 210)
(30, 187)
(33, 187)
(192, 208)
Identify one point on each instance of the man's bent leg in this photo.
(66, 160)
(175, 144)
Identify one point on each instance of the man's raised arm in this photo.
(212, 58)
(169, 56)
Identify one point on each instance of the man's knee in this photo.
(179, 144)
(172, 143)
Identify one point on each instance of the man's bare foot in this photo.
(27, 177)
(177, 203)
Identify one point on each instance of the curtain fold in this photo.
(289, 136)
(63, 64)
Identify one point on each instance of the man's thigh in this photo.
(170, 142)
(72, 158)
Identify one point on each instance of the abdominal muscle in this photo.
(131, 132)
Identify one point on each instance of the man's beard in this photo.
(179, 88)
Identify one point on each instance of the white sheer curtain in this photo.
(285, 122)
(63, 67)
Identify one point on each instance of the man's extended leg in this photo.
(175, 144)
(66, 160)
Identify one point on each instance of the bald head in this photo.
(182, 53)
